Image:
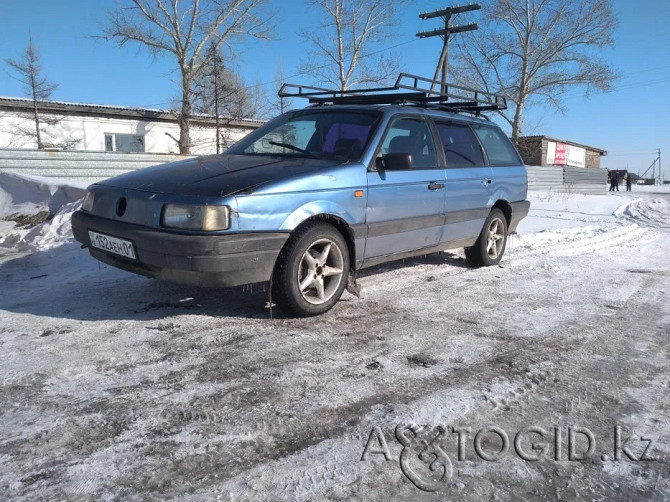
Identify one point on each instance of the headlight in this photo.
(215, 218)
(208, 218)
(87, 205)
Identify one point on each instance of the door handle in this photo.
(434, 185)
(487, 181)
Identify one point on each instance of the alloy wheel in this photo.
(495, 238)
(320, 271)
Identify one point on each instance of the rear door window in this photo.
(499, 148)
(461, 148)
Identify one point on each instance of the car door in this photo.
(405, 207)
(508, 172)
(468, 182)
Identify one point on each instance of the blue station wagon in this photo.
(356, 179)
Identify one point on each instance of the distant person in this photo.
(627, 179)
(614, 181)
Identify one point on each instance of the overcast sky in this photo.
(629, 123)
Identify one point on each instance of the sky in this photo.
(630, 123)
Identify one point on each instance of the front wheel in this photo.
(311, 271)
(490, 245)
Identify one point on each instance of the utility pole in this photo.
(652, 167)
(212, 91)
(446, 14)
(660, 173)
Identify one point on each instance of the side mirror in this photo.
(394, 162)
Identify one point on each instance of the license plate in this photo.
(111, 244)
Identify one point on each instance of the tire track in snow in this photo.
(637, 223)
(640, 218)
(581, 240)
(649, 213)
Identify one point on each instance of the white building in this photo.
(103, 128)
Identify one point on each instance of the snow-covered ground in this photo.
(115, 386)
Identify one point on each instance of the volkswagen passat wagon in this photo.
(354, 180)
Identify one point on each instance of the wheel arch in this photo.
(341, 226)
(328, 212)
(314, 209)
(506, 209)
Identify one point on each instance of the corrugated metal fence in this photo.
(545, 178)
(89, 167)
(82, 167)
(567, 179)
(580, 180)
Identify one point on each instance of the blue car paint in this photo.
(509, 184)
(395, 196)
(328, 191)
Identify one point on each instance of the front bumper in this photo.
(196, 260)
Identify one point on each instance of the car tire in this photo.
(490, 245)
(311, 271)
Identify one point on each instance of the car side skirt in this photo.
(378, 260)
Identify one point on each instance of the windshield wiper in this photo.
(293, 147)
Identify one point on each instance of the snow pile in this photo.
(629, 209)
(19, 190)
(35, 212)
(574, 224)
(550, 210)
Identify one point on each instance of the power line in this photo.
(363, 56)
(654, 68)
(632, 85)
(636, 152)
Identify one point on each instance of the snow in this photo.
(29, 195)
(115, 386)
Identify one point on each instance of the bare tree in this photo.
(534, 50)
(218, 91)
(348, 28)
(36, 86)
(185, 31)
(277, 104)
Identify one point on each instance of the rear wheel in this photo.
(311, 271)
(490, 245)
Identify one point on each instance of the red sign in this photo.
(561, 154)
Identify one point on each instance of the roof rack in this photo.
(422, 92)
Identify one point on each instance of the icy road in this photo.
(544, 378)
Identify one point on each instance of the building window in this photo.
(126, 143)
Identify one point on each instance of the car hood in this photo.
(215, 175)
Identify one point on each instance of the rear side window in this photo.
(461, 148)
(498, 147)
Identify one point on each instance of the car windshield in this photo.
(322, 134)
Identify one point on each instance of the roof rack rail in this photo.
(423, 92)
